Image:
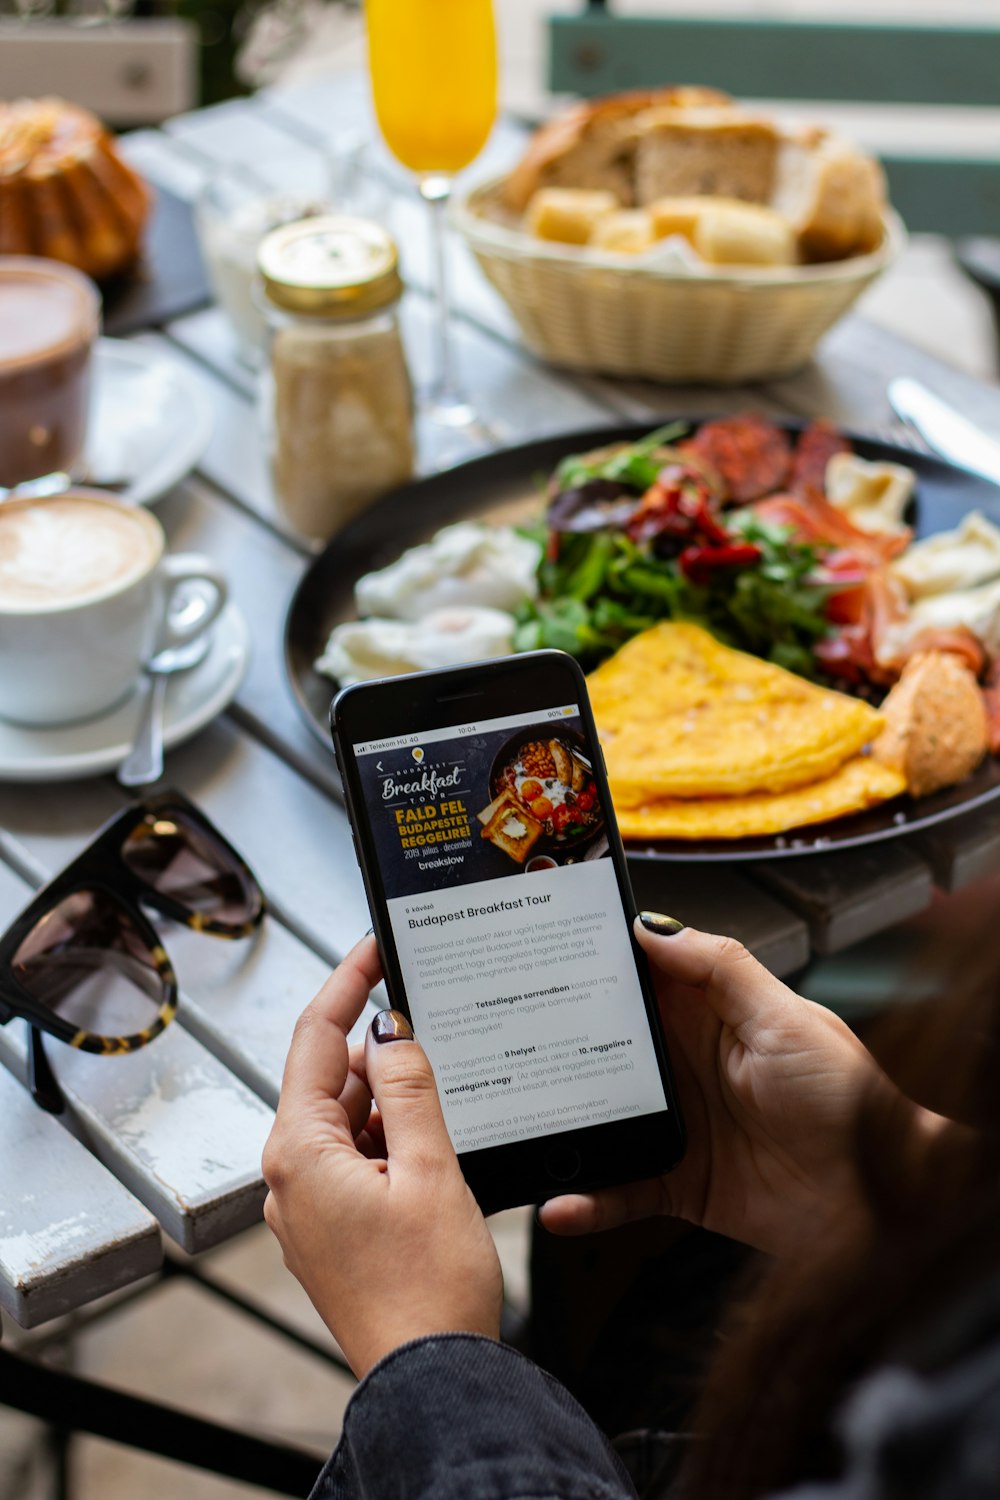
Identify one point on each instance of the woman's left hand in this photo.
(368, 1203)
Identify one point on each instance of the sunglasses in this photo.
(83, 963)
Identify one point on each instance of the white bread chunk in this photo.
(678, 215)
(627, 232)
(717, 152)
(832, 194)
(568, 215)
(744, 234)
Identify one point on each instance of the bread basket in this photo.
(591, 310)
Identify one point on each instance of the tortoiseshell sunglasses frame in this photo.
(102, 870)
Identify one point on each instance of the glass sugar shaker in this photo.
(336, 398)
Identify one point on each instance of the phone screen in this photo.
(511, 935)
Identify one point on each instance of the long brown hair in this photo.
(805, 1332)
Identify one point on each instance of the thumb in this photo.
(403, 1088)
(738, 989)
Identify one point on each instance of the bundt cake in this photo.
(65, 193)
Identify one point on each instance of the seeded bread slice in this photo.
(720, 152)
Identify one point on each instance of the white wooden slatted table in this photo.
(168, 1140)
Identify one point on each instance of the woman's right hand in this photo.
(771, 1088)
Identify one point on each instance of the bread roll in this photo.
(936, 728)
(832, 193)
(720, 152)
(568, 214)
(744, 234)
(627, 232)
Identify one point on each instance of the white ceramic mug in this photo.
(87, 596)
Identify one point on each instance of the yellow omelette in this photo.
(860, 783)
(682, 716)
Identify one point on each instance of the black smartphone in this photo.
(501, 902)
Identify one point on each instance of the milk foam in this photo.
(63, 551)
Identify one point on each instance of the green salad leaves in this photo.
(600, 587)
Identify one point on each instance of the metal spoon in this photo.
(57, 483)
(144, 762)
(31, 489)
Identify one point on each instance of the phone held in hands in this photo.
(502, 907)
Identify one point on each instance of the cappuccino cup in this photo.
(87, 596)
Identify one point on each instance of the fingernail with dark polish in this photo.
(391, 1026)
(369, 932)
(655, 921)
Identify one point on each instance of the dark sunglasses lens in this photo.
(175, 855)
(87, 961)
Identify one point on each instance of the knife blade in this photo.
(945, 429)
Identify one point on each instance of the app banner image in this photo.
(482, 804)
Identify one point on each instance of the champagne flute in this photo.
(433, 68)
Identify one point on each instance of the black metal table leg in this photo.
(86, 1406)
(59, 1440)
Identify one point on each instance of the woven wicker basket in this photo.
(592, 310)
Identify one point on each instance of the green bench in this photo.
(598, 52)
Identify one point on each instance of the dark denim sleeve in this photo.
(459, 1417)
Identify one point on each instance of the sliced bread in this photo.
(722, 152)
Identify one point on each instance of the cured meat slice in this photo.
(816, 520)
(751, 456)
(817, 445)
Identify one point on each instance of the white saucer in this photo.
(149, 423)
(101, 744)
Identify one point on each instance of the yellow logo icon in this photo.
(417, 754)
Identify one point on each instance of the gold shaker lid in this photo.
(331, 267)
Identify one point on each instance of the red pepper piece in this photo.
(700, 564)
(710, 526)
(678, 503)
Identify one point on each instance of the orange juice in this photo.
(434, 77)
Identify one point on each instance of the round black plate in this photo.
(507, 486)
